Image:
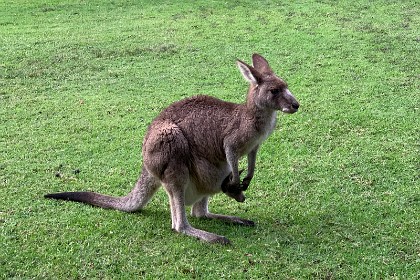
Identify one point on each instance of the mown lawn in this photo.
(336, 192)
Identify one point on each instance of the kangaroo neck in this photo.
(254, 109)
(263, 118)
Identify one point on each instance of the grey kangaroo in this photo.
(192, 148)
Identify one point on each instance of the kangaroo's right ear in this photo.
(261, 64)
(249, 72)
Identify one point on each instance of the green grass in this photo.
(336, 192)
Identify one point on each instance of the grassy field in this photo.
(336, 192)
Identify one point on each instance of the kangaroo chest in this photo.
(261, 131)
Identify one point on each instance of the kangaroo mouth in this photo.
(293, 108)
(289, 110)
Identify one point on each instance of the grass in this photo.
(336, 192)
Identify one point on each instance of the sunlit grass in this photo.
(336, 192)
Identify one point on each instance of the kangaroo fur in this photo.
(192, 149)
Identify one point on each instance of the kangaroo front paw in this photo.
(245, 183)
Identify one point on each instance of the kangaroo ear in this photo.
(261, 64)
(249, 73)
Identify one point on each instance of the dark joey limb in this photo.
(235, 191)
(231, 184)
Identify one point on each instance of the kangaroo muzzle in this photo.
(292, 103)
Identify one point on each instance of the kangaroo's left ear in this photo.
(261, 64)
(249, 73)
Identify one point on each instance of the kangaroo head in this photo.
(267, 90)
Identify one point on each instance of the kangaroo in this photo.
(193, 146)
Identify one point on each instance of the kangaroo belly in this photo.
(206, 183)
(205, 180)
(192, 195)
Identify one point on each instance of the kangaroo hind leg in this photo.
(200, 210)
(175, 181)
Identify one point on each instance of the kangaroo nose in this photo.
(295, 105)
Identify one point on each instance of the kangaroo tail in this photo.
(139, 196)
(91, 198)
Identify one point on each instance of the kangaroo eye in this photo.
(275, 91)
